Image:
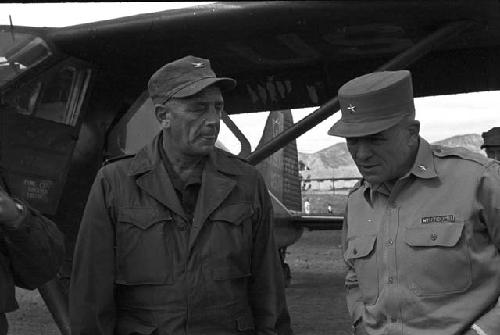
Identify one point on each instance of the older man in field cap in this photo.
(178, 238)
(422, 228)
(491, 143)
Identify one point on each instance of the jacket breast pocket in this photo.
(361, 253)
(142, 253)
(439, 260)
(231, 236)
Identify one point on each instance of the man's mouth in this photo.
(208, 136)
(367, 166)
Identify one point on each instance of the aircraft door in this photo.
(39, 128)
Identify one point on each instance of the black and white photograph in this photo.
(260, 167)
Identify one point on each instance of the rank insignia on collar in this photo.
(198, 64)
(351, 108)
(438, 219)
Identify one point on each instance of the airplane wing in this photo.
(296, 54)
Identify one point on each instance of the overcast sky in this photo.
(440, 117)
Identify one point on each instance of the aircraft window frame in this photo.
(51, 96)
(20, 52)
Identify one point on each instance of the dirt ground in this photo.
(315, 297)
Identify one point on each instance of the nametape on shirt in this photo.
(438, 219)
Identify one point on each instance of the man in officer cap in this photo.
(178, 238)
(491, 143)
(421, 231)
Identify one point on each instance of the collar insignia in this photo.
(198, 64)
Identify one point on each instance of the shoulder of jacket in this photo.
(461, 153)
(356, 187)
(116, 159)
(232, 156)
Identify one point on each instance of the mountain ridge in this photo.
(335, 160)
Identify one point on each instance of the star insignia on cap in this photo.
(198, 64)
(351, 108)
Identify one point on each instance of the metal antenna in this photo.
(12, 29)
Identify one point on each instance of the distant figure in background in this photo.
(491, 143)
(329, 209)
(31, 251)
(421, 234)
(307, 206)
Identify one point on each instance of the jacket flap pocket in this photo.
(360, 246)
(234, 213)
(229, 272)
(142, 217)
(445, 235)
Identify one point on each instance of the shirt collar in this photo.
(193, 178)
(424, 162)
(423, 167)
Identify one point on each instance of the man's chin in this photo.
(371, 178)
(203, 150)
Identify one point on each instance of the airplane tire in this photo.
(287, 274)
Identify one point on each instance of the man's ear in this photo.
(413, 131)
(162, 115)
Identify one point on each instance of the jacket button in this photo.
(434, 236)
(354, 251)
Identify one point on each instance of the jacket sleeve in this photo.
(353, 293)
(35, 249)
(92, 305)
(489, 199)
(266, 291)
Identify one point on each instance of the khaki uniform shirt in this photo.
(144, 266)
(423, 257)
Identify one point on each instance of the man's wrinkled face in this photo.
(193, 123)
(383, 156)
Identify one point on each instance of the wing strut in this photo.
(438, 38)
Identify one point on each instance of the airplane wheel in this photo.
(287, 274)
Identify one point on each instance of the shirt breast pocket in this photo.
(142, 253)
(439, 260)
(361, 253)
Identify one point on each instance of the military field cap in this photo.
(491, 137)
(374, 102)
(184, 77)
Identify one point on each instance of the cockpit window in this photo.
(56, 95)
(19, 52)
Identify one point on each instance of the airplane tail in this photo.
(281, 169)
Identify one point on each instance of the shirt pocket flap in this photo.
(360, 246)
(141, 217)
(444, 235)
(235, 213)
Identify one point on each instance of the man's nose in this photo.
(362, 150)
(212, 115)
